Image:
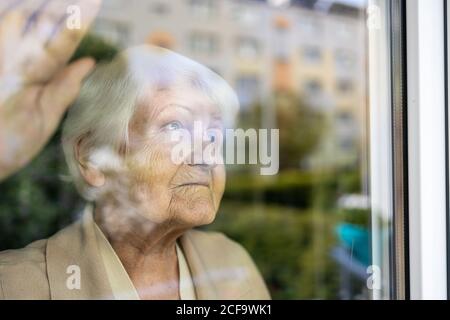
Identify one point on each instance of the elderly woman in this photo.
(136, 238)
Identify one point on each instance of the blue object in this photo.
(356, 240)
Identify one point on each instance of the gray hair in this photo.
(109, 95)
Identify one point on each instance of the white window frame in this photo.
(427, 149)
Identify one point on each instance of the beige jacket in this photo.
(220, 268)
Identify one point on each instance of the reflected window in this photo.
(203, 8)
(245, 15)
(310, 26)
(248, 48)
(247, 88)
(312, 54)
(160, 8)
(344, 59)
(203, 43)
(344, 85)
(313, 87)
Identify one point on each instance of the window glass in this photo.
(314, 209)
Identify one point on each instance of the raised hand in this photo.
(37, 39)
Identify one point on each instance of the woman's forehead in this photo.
(180, 99)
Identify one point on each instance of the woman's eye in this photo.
(174, 125)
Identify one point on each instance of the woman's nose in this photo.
(206, 150)
(199, 156)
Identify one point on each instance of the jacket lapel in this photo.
(75, 249)
(215, 276)
(203, 283)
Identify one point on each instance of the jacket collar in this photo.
(76, 246)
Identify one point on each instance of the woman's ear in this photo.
(91, 173)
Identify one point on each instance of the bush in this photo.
(291, 188)
(290, 247)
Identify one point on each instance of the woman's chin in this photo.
(197, 214)
(194, 209)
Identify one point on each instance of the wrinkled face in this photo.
(187, 193)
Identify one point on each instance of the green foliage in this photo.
(288, 224)
(95, 47)
(293, 188)
(358, 217)
(36, 201)
(290, 247)
(301, 189)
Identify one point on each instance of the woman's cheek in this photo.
(157, 165)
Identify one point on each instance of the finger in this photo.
(7, 6)
(39, 30)
(18, 53)
(71, 30)
(41, 22)
(9, 33)
(34, 17)
(57, 27)
(63, 89)
(49, 16)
